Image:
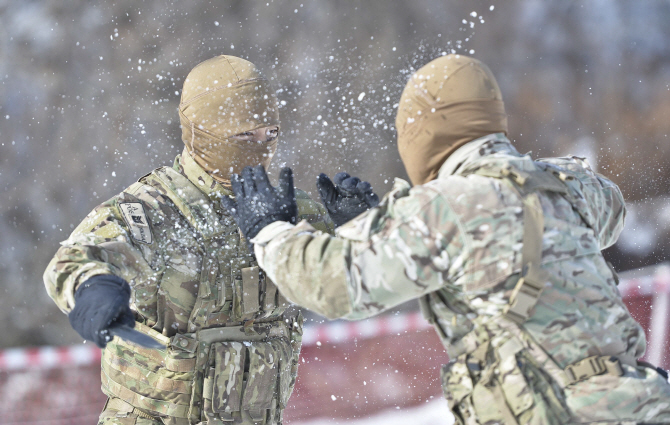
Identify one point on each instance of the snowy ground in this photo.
(434, 412)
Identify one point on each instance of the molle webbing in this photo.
(530, 285)
(192, 203)
(251, 294)
(533, 278)
(161, 382)
(594, 365)
(527, 181)
(238, 315)
(250, 298)
(247, 332)
(573, 373)
(124, 408)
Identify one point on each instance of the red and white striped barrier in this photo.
(343, 331)
(646, 285)
(48, 357)
(654, 283)
(333, 332)
(657, 286)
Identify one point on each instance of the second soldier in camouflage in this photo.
(504, 254)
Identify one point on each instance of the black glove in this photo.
(257, 203)
(99, 302)
(347, 198)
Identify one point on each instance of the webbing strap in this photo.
(145, 389)
(250, 296)
(145, 403)
(151, 356)
(533, 229)
(573, 373)
(152, 379)
(426, 310)
(529, 287)
(528, 181)
(191, 202)
(537, 178)
(244, 333)
(269, 301)
(119, 405)
(592, 366)
(125, 408)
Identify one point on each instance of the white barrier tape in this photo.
(48, 357)
(342, 331)
(647, 286)
(331, 332)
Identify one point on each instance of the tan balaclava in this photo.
(450, 101)
(222, 97)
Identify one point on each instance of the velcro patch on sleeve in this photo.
(133, 214)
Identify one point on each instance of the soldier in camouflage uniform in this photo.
(504, 254)
(232, 350)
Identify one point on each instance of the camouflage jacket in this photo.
(195, 287)
(456, 243)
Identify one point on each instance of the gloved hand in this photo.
(99, 302)
(257, 203)
(347, 198)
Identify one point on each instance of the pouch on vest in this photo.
(474, 394)
(223, 384)
(156, 381)
(490, 405)
(246, 293)
(512, 391)
(285, 352)
(254, 295)
(453, 323)
(261, 382)
(531, 394)
(246, 377)
(292, 359)
(548, 403)
(514, 386)
(457, 387)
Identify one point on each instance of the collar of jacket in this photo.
(474, 150)
(190, 169)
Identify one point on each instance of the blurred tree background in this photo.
(89, 94)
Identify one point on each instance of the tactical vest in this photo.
(498, 349)
(240, 363)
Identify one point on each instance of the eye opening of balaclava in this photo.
(222, 97)
(450, 101)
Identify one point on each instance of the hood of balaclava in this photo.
(452, 100)
(222, 97)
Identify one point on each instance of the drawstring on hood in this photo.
(223, 97)
(452, 100)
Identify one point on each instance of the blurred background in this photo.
(89, 94)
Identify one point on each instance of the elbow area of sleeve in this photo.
(313, 273)
(612, 215)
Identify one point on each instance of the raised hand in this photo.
(257, 203)
(347, 197)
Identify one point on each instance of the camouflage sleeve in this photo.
(612, 212)
(603, 201)
(393, 253)
(103, 243)
(314, 212)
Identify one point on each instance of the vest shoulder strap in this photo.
(528, 178)
(528, 175)
(530, 285)
(198, 209)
